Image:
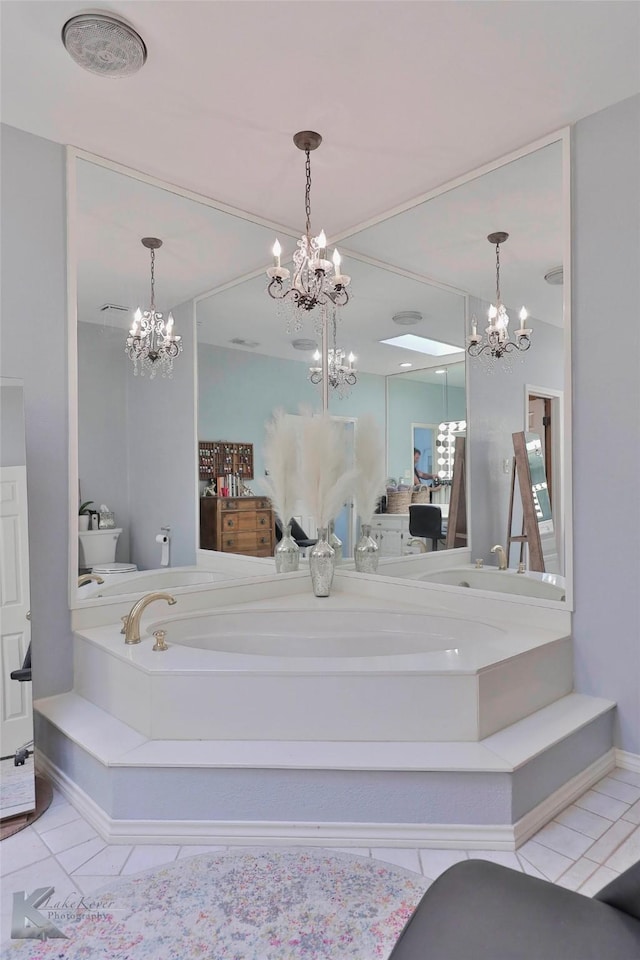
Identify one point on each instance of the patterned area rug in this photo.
(256, 904)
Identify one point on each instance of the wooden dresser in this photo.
(237, 525)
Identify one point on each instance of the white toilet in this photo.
(98, 552)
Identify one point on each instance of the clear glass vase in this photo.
(287, 553)
(335, 542)
(366, 552)
(322, 564)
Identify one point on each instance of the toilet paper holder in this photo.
(164, 538)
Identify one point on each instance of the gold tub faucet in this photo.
(502, 557)
(88, 577)
(417, 543)
(132, 626)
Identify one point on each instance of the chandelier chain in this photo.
(153, 279)
(307, 191)
(498, 296)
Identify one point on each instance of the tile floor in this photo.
(585, 847)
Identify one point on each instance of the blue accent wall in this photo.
(238, 392)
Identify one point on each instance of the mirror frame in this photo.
(562, 136)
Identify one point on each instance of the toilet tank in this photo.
(98, 546)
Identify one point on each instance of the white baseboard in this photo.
(277, 833)
(535, 819)
(628, 761)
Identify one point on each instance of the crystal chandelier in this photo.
(341, 372)
(496, 342)
(317, 283)
(151, 343)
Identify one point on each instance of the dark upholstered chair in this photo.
(425, 521)
(478, 910)
(297, 533)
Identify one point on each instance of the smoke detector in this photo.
(407, 318)
(241, 342)
(104, 45)
(555, 276)
(302, 344)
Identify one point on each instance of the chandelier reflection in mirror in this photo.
(152, 344)
(496, 343)
(317, 286)
(342, 374)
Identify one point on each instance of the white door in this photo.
(16, 720)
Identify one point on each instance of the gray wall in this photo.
(12, 442)
(162, 455)
(34, 349)
(496, 411)
(136, 448)
(103, 424)
(606, 410)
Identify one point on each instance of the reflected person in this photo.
(418, 475)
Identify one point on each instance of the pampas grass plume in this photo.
(281, 460)
(370, 467)
(325, 480)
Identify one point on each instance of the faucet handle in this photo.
(479, 563)
(124, 623)
(160, 643)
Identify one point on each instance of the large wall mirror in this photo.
(429, 266)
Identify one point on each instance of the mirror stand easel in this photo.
(457, 522)
(530, 531)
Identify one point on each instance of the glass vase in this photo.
(287, 553)
(366, 552)
(321, 564)
(335, 542)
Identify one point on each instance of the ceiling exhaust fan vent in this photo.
(104, 45)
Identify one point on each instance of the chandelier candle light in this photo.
(496, 342)
(341, 372)
(152, 344)
(317, 282)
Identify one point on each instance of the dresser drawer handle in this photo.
(262, 521)
(231, 521)
(263, 539)
(230, 543)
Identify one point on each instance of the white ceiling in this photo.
(406, 95)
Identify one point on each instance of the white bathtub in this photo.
(547, 586)
(145, 581)
(334, 633)
(323, 671)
